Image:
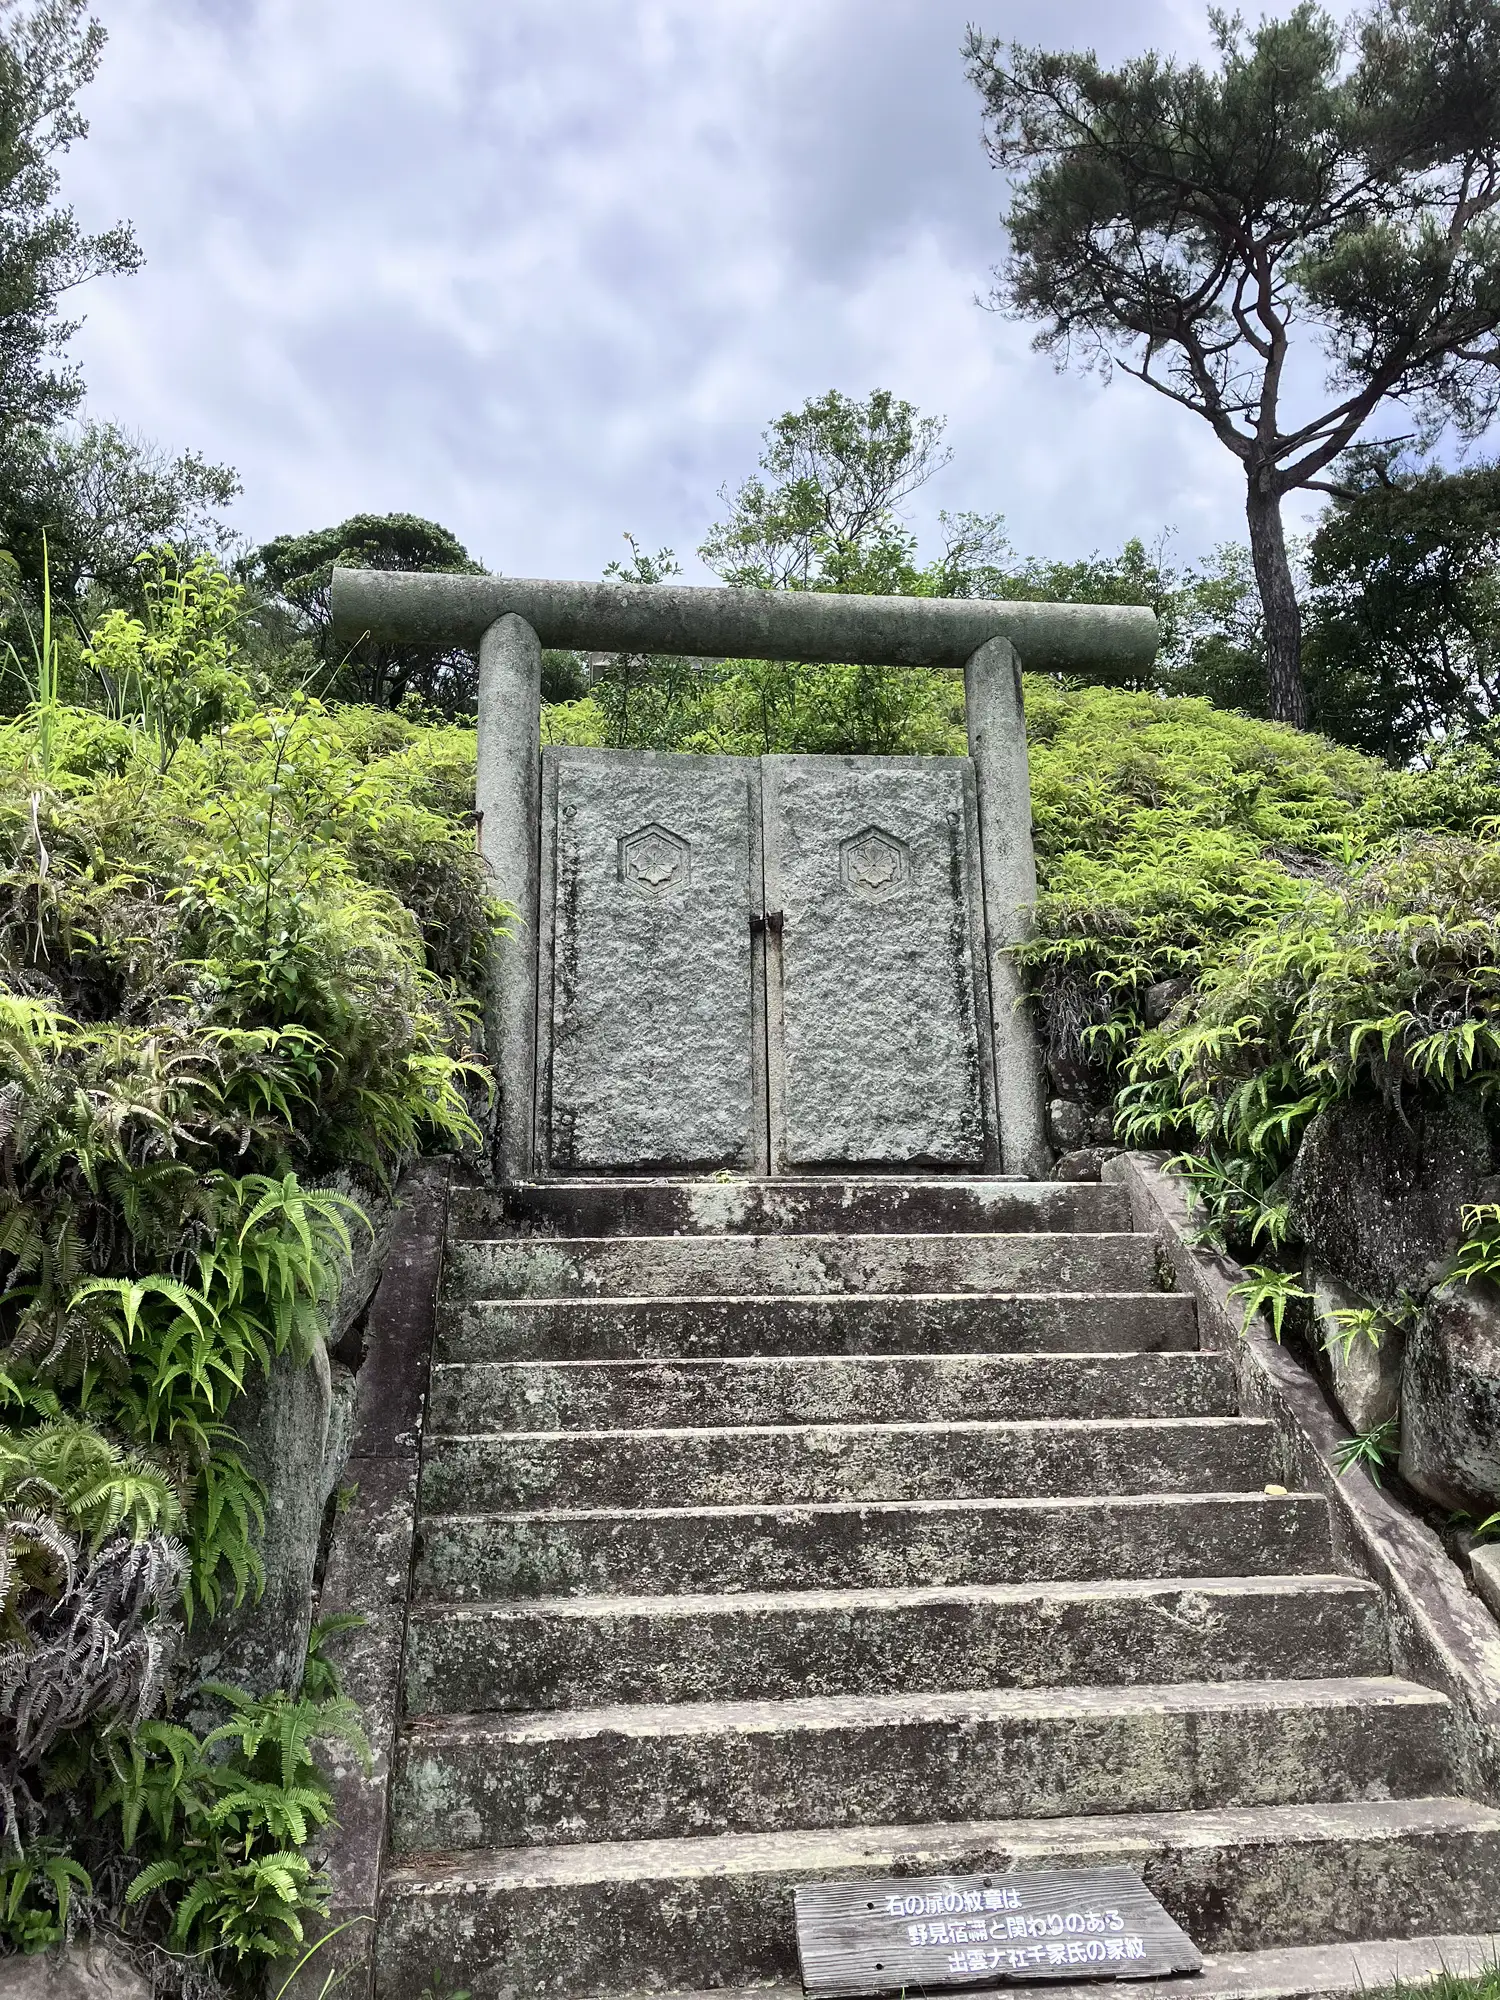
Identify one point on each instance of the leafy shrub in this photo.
(176, 670)
(752, 708)
(1388, 981)
(1169, 833)
(36, 1896)
(221, 1820)
(239, 950)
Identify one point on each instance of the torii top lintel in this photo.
(1110, 641)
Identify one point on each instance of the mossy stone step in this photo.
(788, 1463)
(888, 1544)
(608, 1918)
(728, 1207)
(811, 1389)
(610, 1267)
(585, 1652)
(1028, 1322)
(656, 1772)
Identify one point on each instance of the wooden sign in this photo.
(931, 1933)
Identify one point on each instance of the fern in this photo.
(1373, 1450)
(231, 1812)
(37, 1888)
(1265, 1289)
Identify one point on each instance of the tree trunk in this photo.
(1285, 695)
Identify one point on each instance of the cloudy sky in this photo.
(543, 269)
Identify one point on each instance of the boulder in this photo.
(1159, 999)
(1102, 1129)
(1364, 1374)
(1069, 1072)
(1376, 1197)
(1450, 1400)
(1066, 1123)
(284, 1424)
(78, 1972)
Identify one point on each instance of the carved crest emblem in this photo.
(874, 865)
(654, 860)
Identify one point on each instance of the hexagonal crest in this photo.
(874, 865)
(654, 860)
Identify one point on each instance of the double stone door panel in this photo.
(761, 964)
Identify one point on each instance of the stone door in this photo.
(759, 965)
(651, 1016)
(878, 1012)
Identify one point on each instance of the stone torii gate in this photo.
(945, 848)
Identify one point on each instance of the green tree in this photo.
(1218, 632)
(822, 512)
(1198, 227)
(647, 701)
(49, 50)
(1403, 645)
(296, 572)
(103, 498)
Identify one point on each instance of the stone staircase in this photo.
(779, 1530)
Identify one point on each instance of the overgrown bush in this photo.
(753, 708)
(1171, 834)
(239, 951)
(1386, 981)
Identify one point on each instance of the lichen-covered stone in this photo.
(1160, 998)
(1066, 1124)
(1086, 1164)
(294, 1428)
(80, 1972)
(1484, 1569)
(1450, 1399)
(1377, 1196)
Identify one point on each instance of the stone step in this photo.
(875, 1205)
(612, 1917)
(786, 1464)
(1104, 1322)
(869, 1545)
(1292, 1972)
(609, 1267)
(814, 1389)
(585, 1652)
(666, 1772)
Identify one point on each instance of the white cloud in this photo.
(543, 271)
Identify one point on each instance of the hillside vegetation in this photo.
(239, 947)
(241, 943)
